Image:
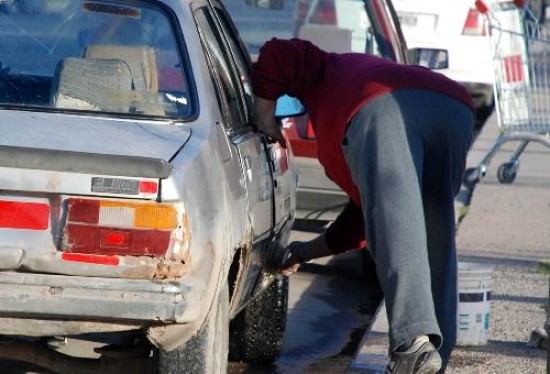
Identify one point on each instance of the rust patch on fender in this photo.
(153, 268)
(139, 272)
(169, 270)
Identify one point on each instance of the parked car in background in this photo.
(362, 26)
(137, 199)
(458, 27)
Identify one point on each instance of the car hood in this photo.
(103, 136)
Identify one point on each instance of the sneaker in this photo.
(420, 357)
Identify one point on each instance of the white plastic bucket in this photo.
(474, 303)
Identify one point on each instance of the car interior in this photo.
(110, 46)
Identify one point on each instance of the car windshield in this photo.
(333, 25)
(117, 57)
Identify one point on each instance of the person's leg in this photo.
(438, 137)
(447, 142)
(379, 152)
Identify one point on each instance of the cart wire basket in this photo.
(520, 46)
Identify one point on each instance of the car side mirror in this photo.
(432, 58)
(288, 106)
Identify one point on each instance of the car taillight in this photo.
(474, 24)
(24, 215)
(106, 227)
(324, 13)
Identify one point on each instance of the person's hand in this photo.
(302, 252)
(264, 119)
(296, 256)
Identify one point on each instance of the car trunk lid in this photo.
(85, 155)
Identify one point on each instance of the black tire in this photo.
(257, 332)
(205, 353)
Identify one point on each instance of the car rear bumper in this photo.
(42, 296)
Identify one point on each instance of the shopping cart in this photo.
(521, 57)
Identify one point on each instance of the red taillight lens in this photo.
(114, 238)
(82, 210)
(90, 259)
(481, 6)
(24, 215)
(324, 13)
(118, 228)
(148, 187)
(474, 24)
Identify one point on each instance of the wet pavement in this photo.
(331, 304)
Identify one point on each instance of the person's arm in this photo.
(264, 119)
(347, 232)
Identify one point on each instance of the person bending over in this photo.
(395, 138)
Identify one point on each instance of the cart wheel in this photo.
(506, 173)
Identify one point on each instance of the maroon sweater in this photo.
(333, 87)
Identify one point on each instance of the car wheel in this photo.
(256, 333)
(205, 353)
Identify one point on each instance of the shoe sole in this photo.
(430, 367)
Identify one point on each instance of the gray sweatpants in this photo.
(407, 152)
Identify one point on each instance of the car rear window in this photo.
(111, 57)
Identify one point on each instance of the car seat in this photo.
(140, 59)
(93, 84)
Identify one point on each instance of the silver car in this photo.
(137, 199)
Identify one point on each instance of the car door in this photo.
(284, 176)
(231, 73)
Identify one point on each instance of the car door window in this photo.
(232, 104)
(241, 61)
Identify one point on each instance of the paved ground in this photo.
(508, 227)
